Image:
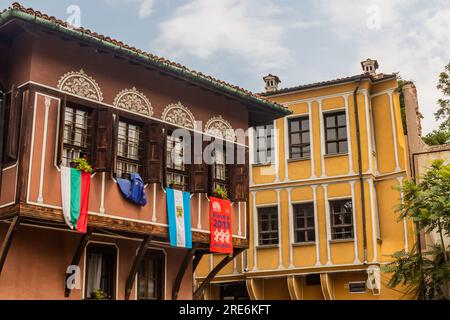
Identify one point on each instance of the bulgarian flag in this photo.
(75, 197)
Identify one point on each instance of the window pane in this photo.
(330, 121)
(342, 132)
(341, 120)
(295, 126)
(305, 124)
(305, 137)
(332, 147)
(331, 134)
(343, 147)
(295, 138)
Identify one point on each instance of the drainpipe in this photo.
(360, 172)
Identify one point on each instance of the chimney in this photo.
(271, 82)
(370, 67)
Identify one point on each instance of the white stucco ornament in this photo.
(134, 101)
(179, 115)
(218, 126)
(80, 84)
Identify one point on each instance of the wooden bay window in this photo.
(177, 171)
(129, 148)
(77, 134)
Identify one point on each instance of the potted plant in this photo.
(82, 164)
(98, 294)
(221, 193)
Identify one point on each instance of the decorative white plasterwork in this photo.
(134, 101)
(179, 115)
(218, 126)
(80, 84)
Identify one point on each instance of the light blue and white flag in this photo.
(179, 216)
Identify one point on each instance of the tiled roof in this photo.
(18, 11)
(315, 85)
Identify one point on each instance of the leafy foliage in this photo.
(437, 137)
(425, 274)
(98, 294)
(222, 193)
(82, 164)
(443, 113)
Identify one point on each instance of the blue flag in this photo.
(133, 190)
(179, 216)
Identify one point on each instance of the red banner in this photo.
(220, 226)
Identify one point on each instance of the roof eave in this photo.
(267, 106)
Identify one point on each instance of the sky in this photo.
(301, 41)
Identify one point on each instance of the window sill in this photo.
(262, 164)
(341, 240)
(333, 155)
(304, 244)
(298, 159)
(268, 246)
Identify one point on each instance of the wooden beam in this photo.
(8, 241)
(187, 259)
(77, 257)
(137, 261)
(198, 256)
(214, 272)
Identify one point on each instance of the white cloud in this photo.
(414, 43)
(145, 7)
(244, 30)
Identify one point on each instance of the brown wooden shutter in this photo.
(238, 179)
(113, 148)
(154, 152)
(3, 105)
(15, 110)
(62, 119)
(199, 172)
(104, 140)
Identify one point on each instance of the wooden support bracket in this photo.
(187, 259)
(77, 257)
(8, 241)
(136, 263)
(214, 272)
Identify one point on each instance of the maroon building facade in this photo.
(70, 92)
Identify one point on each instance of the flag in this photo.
(133, 190)
(75, 197)
(220, 226)
(179, 216)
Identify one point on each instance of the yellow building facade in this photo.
(322, 195)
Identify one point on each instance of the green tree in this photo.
(443, 113)
(425, 275)
(437, 137)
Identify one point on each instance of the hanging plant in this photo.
(221, 193)
(98, 294)
(82, 164)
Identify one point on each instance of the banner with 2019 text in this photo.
(220, 226)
